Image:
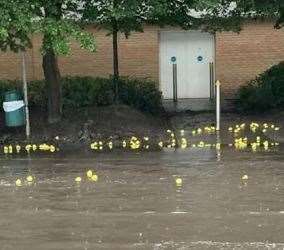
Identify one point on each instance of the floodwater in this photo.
(136, 204)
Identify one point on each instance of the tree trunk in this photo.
(115, 54)
(115, 61)
(53, 86)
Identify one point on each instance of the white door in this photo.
(194, 51)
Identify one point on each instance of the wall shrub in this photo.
(141, 94)
(263, 93)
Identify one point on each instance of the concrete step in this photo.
(197, 105)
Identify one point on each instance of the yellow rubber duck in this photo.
(245, 177)
(110, 145)
(89, 173)
(94, 178)
(183, 143)
(28, 148)
(18, 183)
(10, 149)
(78, 179)
(30, 178)
(18, 148)
(178, 182)
(52, 149)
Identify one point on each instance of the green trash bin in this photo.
(14, 109)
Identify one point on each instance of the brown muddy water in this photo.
(136, 204)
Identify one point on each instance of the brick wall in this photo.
(138, 56)
(239, 57)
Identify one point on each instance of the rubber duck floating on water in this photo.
(91, 176)
(30, 178)
(29, 147)
(178, 182)
(245, 177)
(18, 182)
(173, 142)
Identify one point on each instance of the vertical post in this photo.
(211, 71)
(25, 90)
(175, 82)
(218, 105)
(218, 146)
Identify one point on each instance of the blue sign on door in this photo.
(173, 59)
(200, 58)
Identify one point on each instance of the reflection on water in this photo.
(136, 204)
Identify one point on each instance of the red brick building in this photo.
(236, 58)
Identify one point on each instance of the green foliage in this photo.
(125, 16)
(263, 93)
(237, 11)
(141, 94)
(77, 92)
(15, 25)
(264, 9)
(86, 91)
(57, 20)
(130, 15)
(58, 35)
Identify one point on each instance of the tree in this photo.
(15, 25)
(58, 22)
(116, 16)
(264, 8)
(236, 12)
(127, 16)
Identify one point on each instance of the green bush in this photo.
(86, 91)
(141, 94)
(263, 93)
(78, 92)
(37, 94)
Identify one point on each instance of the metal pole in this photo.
(218, 105)
(25, 90)
(218, 146)
(175, 82)
(211, 70)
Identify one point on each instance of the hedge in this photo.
(141, 94)
(263, 93)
